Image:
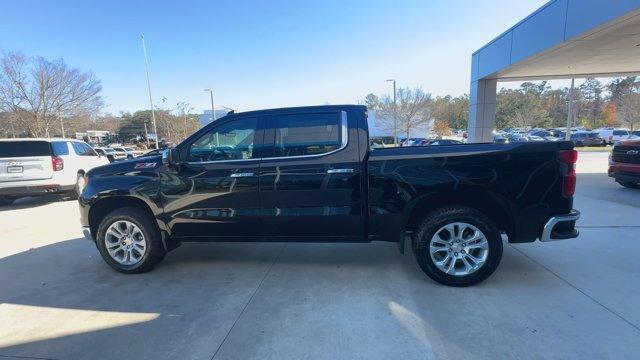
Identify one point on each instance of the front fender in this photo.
(143, 186)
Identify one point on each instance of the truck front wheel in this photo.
(129, 240)
(457, 246)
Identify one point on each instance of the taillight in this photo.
(569, 158)
(57, 163)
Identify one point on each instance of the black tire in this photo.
(630, 185)
(155, 251)
(443, 216)
(579, 144)
(7, 200)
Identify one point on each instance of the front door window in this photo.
(230, 141)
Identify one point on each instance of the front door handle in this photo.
(340, 171)
(237, 175)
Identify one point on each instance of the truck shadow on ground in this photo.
(34, 201)
(199, 288)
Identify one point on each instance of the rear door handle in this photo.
(237, 175)
(340, 171)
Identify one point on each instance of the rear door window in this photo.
(79, 149)
(305, 134)
(88, 150)
(24, 148)
(60, 148)
(620, 132)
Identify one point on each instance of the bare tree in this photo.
(629, 109)
(412, 110)
(41, 92)
(183, 109)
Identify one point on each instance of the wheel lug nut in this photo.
(455, 254)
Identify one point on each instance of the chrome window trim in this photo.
(344, 141)
(220, 161)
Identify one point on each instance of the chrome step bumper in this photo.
(549, 235)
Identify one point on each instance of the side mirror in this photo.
(170, 157)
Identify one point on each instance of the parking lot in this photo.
(570, 299)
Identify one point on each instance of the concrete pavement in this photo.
(570, 299)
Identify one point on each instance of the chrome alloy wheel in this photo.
(125, 242)
(459, 249)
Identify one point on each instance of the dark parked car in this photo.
(500, 139)
(307, 174)
(587, 139)
(624, 163)
(442, 142)
(154, 152)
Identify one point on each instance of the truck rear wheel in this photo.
(6, 200)
(129, 241)
(457, 246)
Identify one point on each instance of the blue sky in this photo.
(261, 54)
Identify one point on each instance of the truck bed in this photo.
(519, 184)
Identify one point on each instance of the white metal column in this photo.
(482, 110)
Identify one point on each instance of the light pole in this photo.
(61, 124)
(567, 135)
(153, 113)
(395, 120)
(213, 113)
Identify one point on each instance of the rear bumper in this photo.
(34, 190)
(561, 227)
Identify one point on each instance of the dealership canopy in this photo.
(562, 39)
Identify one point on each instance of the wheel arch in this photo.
(103, 206)
(491, 204)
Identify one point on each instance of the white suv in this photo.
(43, 166)
(611, 135)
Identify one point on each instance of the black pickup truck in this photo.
(308, 175)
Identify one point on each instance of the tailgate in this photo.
(25, 160)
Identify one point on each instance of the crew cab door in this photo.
(311, 178)
(214, 193)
